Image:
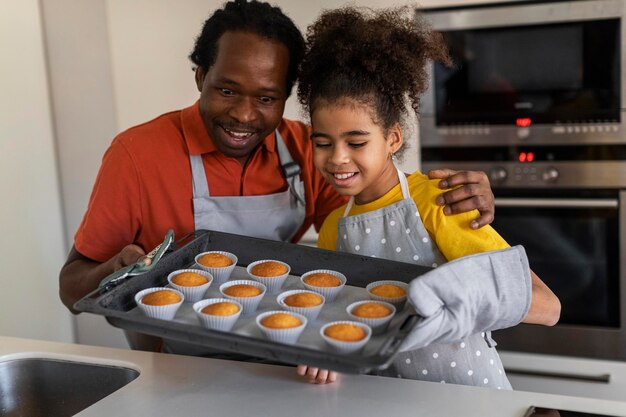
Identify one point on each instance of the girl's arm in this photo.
(545, 307)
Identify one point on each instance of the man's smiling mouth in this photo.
(238, 135)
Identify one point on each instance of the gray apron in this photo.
(282, 213)
(396, 232)
(276, 216)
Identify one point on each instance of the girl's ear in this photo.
(394, 138)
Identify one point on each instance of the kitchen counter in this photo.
(171, 385)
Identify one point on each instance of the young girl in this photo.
(361, 69)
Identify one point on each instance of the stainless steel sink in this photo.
(55, 388)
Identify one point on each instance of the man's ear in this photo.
(394, 138)
(200, 74)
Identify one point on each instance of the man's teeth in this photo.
(238, 135)
(344, 176)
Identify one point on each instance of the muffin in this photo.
(371, 310)
(248, 293)
(272, 274)
(242, 290)
(281, 321)
(282, 327)
(269, 269)
(346, 336)
(376, 314)
(161, 298)
(159, 303)
(388, 291)
(219, 264)
(223, 308)
(394, 292)
(345, 332)
(193, 283)
(324, 281)
(214, 260)
(303, 299)
(304, 302)
(189, 279)
(218, 313)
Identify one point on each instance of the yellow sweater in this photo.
(452, 234)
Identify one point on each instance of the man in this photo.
(229, 162)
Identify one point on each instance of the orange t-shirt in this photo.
(144, 186)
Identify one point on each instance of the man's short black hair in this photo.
(255, 17)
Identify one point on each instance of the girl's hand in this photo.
(316, 375)
(473, 193)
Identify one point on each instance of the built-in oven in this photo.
(536, 99)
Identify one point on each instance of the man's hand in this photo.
(128, 256)
(81, 275)
(316, 375)
(474, 193)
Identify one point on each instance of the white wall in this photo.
(32, 248)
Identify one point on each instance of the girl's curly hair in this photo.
(375, 57)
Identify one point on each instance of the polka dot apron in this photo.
(396, 232)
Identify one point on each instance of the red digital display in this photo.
(526, 157)
(523, 122)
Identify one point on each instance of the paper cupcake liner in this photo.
(378, 325)
(220, 274)
(273, 284)
(223, 323)
(288, 336)
(398, 302)
(164, 312)
(310, 313)
(329, 293)
(347, 347)
(248, 304)
(191, 293)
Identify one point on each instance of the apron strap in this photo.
(404, 186)
(198, 176)
(290, 168)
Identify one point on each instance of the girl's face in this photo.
(352, 152)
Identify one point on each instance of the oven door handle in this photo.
(557, 202)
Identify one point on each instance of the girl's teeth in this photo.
(343, 176)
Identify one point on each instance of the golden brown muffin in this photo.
(345, 332)
(161, 298)
(223, 308)
(242, 290)
(371, 310)
(269, 269)
(303, 299)
(189, 279)
(322, 279)
(281, 321)
(388, 290)
(215, 260)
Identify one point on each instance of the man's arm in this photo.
(81, 275)
(473, 193)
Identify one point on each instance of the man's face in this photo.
(243, 94)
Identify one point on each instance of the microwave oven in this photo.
(533, 73)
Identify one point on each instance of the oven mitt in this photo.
(476, 293)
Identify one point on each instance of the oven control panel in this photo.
(588, 174)
(523, 174)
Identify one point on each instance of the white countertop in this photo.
(170, 385)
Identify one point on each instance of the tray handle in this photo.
(392, 344)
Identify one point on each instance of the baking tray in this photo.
(119, 307)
